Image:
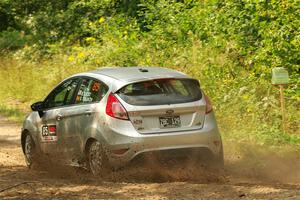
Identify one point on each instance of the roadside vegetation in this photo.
(230, 46)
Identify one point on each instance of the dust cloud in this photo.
(262, 163)
(243, 163)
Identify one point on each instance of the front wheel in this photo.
(30, 152)
(97, 159)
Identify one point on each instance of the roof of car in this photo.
(129, 74)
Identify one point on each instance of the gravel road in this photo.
(255, 175)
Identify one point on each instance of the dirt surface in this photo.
(247, 175)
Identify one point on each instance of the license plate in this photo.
(169, 122)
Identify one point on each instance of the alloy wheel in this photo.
(28, 150)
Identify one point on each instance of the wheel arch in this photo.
(93, 134)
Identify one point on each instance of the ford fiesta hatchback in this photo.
(109, 116)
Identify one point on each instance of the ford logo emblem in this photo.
(170, 112)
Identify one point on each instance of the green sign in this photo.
(280, 76)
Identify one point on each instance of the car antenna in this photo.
(143, 70)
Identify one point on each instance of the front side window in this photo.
(90, 91)
(62, 95)
(161, 91)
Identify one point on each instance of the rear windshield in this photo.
(161, 91)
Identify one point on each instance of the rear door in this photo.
(84, 112)
(164, 105)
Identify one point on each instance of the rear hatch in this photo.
(164, 105)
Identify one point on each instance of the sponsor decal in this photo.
(137, 121)
(96, 87)
(49, 133)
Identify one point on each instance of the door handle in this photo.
(88, 112)
(59, 117)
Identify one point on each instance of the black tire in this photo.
(97, 159)
(30, 152)
(217, 161)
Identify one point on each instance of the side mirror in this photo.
(38, 106)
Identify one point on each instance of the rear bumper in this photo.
(208, 137)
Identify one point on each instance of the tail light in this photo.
(209, 107)
(115, 109)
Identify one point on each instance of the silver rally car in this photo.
(109, 116)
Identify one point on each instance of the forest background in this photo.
(229, 46)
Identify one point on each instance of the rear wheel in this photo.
(217, 161)
(97, 159)
(210, 160)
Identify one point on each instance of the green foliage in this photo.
(14, 114)
(266, 32)
(11, 40)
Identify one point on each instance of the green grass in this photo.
(13, 114)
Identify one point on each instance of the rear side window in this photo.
(90, 91)
(161, 91)
(62, 95)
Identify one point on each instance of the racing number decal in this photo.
(45, 131)
(49, 133)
